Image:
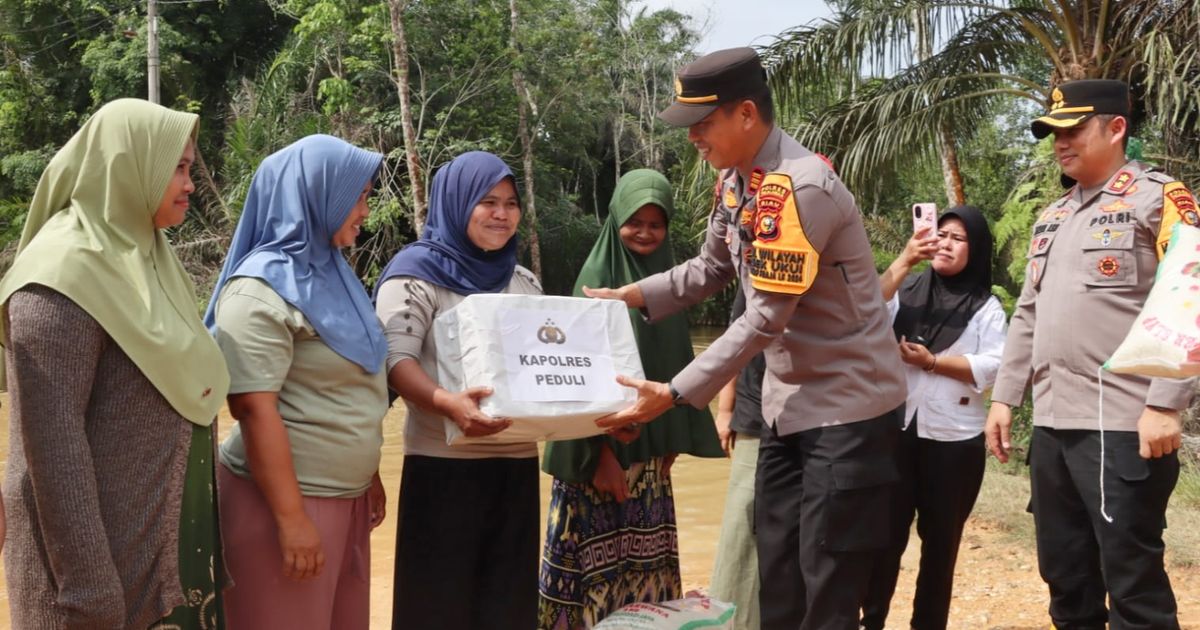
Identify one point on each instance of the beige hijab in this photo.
(90, 236)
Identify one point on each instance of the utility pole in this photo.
(152, 50)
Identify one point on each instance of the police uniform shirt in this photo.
(793, 234)
(1091, 264)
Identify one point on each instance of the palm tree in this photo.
(872, 91)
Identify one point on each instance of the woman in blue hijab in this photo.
(467, 539)
(299, 475)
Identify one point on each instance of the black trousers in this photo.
(819, 505)
(1081, 556)
(939, 482)
(467, 544)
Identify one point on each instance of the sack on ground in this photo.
(689, 613)
(551, 362)
(1165, 338)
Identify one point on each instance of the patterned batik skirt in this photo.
(601, 555)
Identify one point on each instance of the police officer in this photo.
(1091, 264)
(834, 389)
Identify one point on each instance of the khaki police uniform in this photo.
(834, 387)
(1091, 263)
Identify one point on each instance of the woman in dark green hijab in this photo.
(606, 491)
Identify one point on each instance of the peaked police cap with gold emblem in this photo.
(723, 76)
(1074, 102)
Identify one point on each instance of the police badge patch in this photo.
(1108, 266)
(1178, 206)
(1107, 236)
(781, 258)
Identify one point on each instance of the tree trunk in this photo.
(950, 172)
(946, 148)
(416, 178)
(535, 249)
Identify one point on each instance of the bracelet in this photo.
(932, 365)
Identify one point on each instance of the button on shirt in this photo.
(949, 410)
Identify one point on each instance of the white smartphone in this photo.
(924, 215)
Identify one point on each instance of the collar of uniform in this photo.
(767, 158)
(1132, 168)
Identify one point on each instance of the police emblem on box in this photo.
(551, 334)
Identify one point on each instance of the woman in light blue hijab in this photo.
(300, 488)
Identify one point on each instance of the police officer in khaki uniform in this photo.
(834, 390)
(1091, 264)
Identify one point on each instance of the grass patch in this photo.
(1005, 495)
(1003, 499)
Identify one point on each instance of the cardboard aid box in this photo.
(551, 362)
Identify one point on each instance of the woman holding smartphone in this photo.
(950, 330)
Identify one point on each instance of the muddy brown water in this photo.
(997, 584)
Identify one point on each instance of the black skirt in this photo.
(467, 544)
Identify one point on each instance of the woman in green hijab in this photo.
(605, 491)
(114, 386)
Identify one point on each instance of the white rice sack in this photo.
(1165, 338)
(680, 614)
(551, 361)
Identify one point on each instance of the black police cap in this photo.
(723, 76)
(1072, 103)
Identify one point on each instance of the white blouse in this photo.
(951, 410)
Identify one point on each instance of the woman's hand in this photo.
(376, 501)
(922, 246)
(300, 542)
(462, 408)
(609, 477)
(915, 354)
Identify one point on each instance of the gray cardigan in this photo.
(95, 475)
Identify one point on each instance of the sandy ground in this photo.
(997, 584)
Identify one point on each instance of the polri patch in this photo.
(781, 258)
(731, 200)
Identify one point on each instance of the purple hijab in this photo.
(444, 255)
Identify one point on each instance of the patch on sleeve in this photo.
(782, 260)
(1178, 206)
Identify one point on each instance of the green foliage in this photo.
(1038, 187)
(23, 169)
